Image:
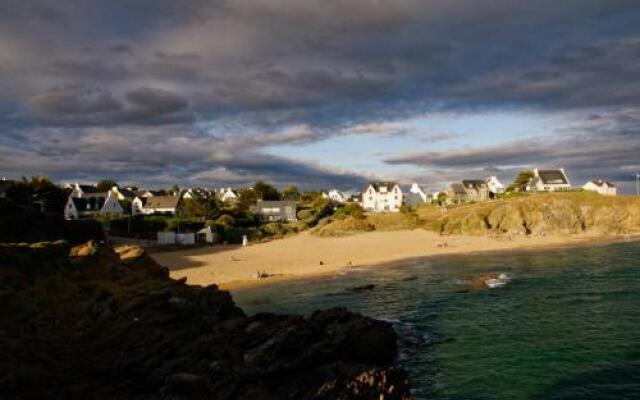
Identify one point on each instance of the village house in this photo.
(550, 180)
(602, 187)
(88, 204)
(228, 195)
(456, 194)
(414, 196)
(123, 193)
(495, 186)
(477, 190)
(78, 190)
(275, 211)
(382, 197)
(336, 195)
(155, 205)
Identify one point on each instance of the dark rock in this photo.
(139, 334)
(362, 288)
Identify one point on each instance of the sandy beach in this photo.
(306, 255)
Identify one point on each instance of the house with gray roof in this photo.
(275, 211)
(382, 197)
(89, 204)
(456, 194)
(155, 205)
(414, 196)
(477, 190)
(549, 180)
(123, 193)
(601, 186)
(79, 190)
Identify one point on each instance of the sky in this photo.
(319, 93)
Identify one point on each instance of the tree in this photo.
(246, 198)
(105, 185)
(521, 181)
(266, 191)
(310, 196)
(200, 208)
(291, 193)
(38, 193)
(442, 198)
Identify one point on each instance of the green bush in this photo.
(273, 229)
(350, 210)
(305, 214)
(226, 220)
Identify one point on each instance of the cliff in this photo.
(107, 325)
(543, 214)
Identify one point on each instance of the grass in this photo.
(519, 213)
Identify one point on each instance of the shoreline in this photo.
(299, 257)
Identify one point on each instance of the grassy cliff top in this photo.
(538, 214)
(518, 213)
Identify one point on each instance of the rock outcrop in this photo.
(113, 325)
(544, 214)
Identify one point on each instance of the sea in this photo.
(565, 326)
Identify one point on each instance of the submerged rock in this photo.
(361, 288)
(106, 328)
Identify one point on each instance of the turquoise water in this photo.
(567, 326)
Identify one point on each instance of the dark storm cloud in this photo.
(254, 68)
(77, 106)
(156, 156)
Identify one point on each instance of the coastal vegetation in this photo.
(514, 214)
(543, 214)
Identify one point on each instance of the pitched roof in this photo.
(162, 202)
(88, 189)
(412, 199)
(458, 188)
(89, 203)
(473, 183)
(378, 185)
(552, 176)
(126, 193)
(600, 182)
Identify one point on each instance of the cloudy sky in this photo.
(319, 93)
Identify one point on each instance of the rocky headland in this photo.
(94, 323)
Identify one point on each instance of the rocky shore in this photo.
(102, 324)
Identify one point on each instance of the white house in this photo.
(79, 190)
(550, 180)
(155, 205)
(382, 197)
(495, 186)
(415, 196)
(122, 193)
(602, 187)
(93, 203)
(336, 195)
(228, 195)
(278, 210)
